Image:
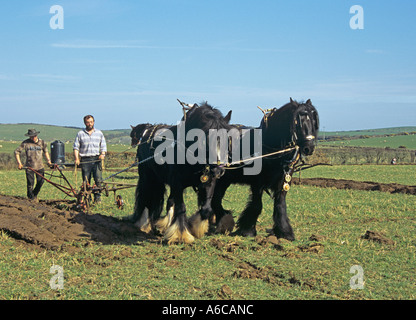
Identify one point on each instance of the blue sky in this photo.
(126, 62)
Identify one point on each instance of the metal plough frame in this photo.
(83, 196)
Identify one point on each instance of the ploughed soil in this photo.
(55, 224)
(44, 224)
(356, 185)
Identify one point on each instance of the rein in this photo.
(136, 163)
(229, 164)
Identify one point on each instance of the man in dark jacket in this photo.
(34, 149)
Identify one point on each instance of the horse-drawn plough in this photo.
(83, 195)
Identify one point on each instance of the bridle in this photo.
(299, 126)
(143, 135)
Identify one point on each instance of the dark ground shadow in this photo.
(47, 225)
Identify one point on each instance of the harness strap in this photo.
(141, 137)
(263, 156)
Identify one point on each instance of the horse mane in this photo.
(205, 117)
(138, 129)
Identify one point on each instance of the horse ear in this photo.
(132, 127)
(309, 102)
(293, 101)
(228, 116)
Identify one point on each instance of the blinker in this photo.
(310, 137)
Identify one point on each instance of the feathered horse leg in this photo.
(140, 216)
(199, 222)
(224, 219)
(164, 223)
(282, 227)
(247, 221)
(178, 231)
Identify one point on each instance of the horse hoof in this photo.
(225, 225)
(198, 227)
(143, 223)
(163, 224)
(174, 235)
(288, 236)
(146, 228)
(246, 233)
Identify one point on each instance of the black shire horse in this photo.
(154, 175)
(149, 195)
(287, 133)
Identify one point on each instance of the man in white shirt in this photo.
(89, 150)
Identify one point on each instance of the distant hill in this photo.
(16, 132)
(391, 141)
(398, 137)
(383, 137)
(367, 132)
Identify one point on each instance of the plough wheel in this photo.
(84, 197)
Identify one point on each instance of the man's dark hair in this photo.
(87, 117)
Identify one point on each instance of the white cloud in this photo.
(5, 77)
(51, 77)
(135, 44)
(94, 44)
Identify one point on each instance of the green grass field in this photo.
(249, 268)
(10, 146)
(367, 132)
(50, 133)
(408, 141)
(403, 174)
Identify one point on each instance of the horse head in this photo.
(306, 126)
(296, 123)
(212, 123)
(206, 117)
(137, 133)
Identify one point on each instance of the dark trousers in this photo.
(30, 179)
(91, 166)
